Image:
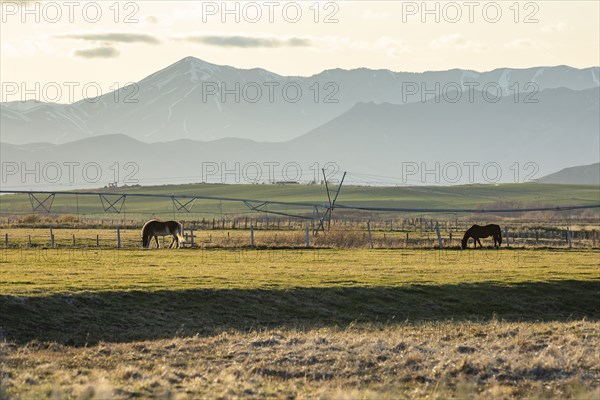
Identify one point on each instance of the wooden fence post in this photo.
(51, 238)
(252, 236)
(118, 237)
(370, 234)
(6, 240)
(439, 237)
(307, 238)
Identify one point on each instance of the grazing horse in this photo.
(154, 228)
(476, 232)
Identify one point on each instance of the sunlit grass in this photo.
(47, 271)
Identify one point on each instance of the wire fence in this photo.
(340, 234)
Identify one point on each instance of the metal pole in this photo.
(507, 237)
(327, 213)
(51, 238)
(370, 233)
(118, 238)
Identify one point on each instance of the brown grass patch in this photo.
(497, 360)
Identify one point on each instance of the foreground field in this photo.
(492, 360)
(299, 323)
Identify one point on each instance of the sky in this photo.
(113, 43)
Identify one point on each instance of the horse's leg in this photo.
(172, 242)
(156, 238)
(479, 241)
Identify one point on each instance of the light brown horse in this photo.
(154, 228)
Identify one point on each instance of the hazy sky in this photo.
(100, 42)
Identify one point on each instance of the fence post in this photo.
(51, 238)
(192, 236)
(97, 240)
(6, 240)
(252, 236)
(439, 237)
(118, 237)
(569, 237)
(73, 240)
(307, 238)
(370, 233)
(506, 237)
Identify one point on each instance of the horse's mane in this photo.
(144, 227)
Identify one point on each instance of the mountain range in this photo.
(582, 174)
(375, 130)
(177, 101)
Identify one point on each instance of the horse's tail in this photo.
(179, 232)
(498, 234)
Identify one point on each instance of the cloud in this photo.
(20, 2)
(520, 42)
(248, 41)
(456, 41)
(97, 52)
(375, 15)
(526, 43)
(113, 37)
(557, 27)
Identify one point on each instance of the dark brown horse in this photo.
(477, 232)
(154, 228)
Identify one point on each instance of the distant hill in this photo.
(467, 196)
(371, 141)
(174, 103)
(580, 175)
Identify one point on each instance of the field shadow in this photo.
(87, 318)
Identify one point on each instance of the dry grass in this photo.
(272, 238)
(348, 324)
(494, 360)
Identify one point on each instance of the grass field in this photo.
(300, 323)
(469, 196)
